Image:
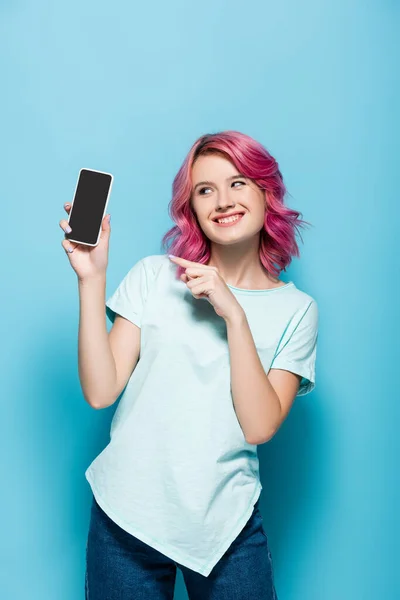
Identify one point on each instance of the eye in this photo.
(201, 190)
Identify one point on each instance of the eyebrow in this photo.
(239, 176)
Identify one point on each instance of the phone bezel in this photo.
(105, 206)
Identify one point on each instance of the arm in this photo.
(106, 360)
(261, 401)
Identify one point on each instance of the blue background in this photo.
(127, 88)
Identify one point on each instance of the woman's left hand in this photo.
(205, 281)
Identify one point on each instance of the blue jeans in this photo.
(119, 566)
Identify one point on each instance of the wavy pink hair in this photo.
(277, 238)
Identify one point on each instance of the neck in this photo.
(239, 265)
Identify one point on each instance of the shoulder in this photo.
(155, 261)
(304, 307)
(298, 299)
(149, 267)
(146, 268)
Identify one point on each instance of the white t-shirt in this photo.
(178, 473)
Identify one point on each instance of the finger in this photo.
(198, 282)
(105, 227)
(186, 263)
(67, 207)
(197, 271)
(68, 246)
(65, 226)
(200, 291)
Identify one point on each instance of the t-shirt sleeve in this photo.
(129, 298)
(298, 353)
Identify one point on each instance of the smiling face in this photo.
(219, 190)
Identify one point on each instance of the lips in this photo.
(227, 216)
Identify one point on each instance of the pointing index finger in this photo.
(184, 261)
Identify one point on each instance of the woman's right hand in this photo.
(88, 261)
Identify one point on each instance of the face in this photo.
(219, 190)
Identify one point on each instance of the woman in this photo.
(211, 348)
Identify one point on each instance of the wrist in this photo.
(99, 278)
(236, 317)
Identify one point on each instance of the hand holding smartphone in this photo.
(86, 243)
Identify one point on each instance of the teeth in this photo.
(229, 219)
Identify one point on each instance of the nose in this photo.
(224, 201)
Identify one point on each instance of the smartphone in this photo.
(89, 206)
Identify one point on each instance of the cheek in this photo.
(258, 217)
(201, 210)
(257, 207)
(195, 209)
(261, 205)
(262, 217)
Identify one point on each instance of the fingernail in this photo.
(109, 217)
(68, 229)
(171, 255)
(66, 205)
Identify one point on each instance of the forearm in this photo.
(97, 370)
(256, 403)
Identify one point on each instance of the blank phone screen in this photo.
(88, 206)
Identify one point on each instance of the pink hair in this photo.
(277, 237)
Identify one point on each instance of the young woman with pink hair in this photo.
(210, 349)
